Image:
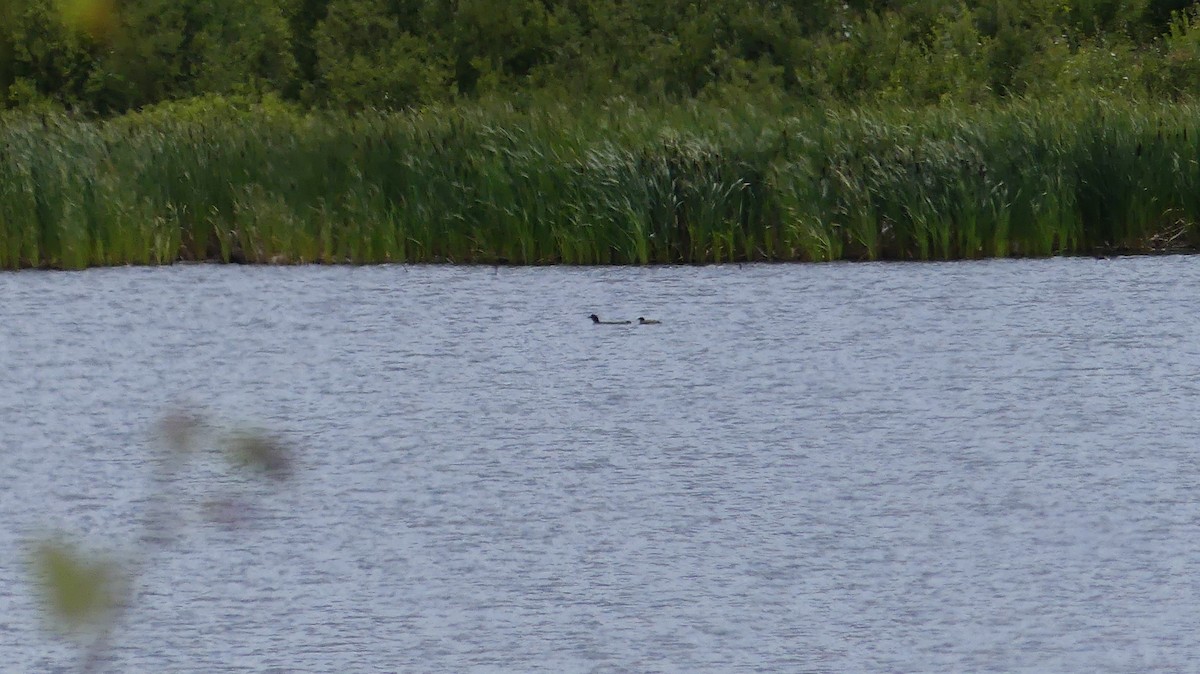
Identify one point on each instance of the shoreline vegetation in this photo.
(595, 132)
(219, 179)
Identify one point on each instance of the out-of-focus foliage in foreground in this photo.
(86, 596)
(79, 591)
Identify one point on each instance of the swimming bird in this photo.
(597, 321)
(643, 321)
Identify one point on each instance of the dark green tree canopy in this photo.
(109, 56)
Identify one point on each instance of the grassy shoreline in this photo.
(211, 180)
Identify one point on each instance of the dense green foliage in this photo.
(106, 56)
(594, 131)
(622, 184)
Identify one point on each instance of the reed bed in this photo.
(614, 185)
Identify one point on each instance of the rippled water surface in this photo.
(830, 468)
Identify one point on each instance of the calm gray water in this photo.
(831, 468)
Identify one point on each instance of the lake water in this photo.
(985, 466)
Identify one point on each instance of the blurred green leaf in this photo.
(262, 453)
(95, 18)
(178, 431)
(78, 591)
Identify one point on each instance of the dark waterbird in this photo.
(644, 321)
(597, 321)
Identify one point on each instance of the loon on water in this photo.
(597, 321)
(643, 321)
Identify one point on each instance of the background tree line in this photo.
(108, 56)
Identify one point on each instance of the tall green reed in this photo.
(212, 180)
